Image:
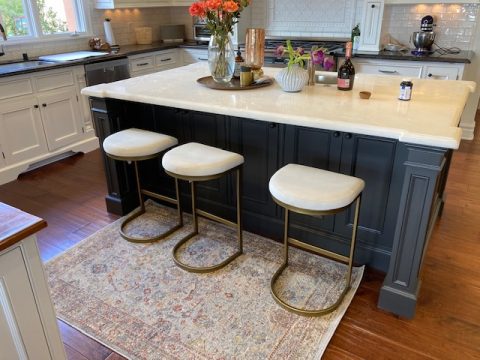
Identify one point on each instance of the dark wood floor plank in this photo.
(73, 354)
(84, 345)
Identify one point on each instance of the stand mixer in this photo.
(423, 39)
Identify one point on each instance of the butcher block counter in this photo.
(402, 149)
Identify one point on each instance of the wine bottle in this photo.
(346, 72)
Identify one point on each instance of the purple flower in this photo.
(300, 51)
(328, 64)
(317, 57)
(279, 51)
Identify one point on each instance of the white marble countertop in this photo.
(430, 118)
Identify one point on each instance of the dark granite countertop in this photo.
(462, 57)
(125, 50)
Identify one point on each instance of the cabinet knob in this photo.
(35, 106)
(373, 6)
(430, 75)
(348, 136)
(44, 105)
(272, 125)
(336, 134)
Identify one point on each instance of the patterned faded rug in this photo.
(132, 297)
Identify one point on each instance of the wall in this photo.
(124, 22)
(455, 23)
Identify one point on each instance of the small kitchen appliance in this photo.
(423, 39)
(201, 33)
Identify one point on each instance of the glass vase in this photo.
(221, 58)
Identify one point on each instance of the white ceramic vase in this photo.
(292, 79)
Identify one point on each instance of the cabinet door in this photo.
(258, 142)
(141, 65)
(61, 117)
(20, 325)
(387, 68)
(441, 72)
(317, 148)
(371, 159)
(209, 129)
(21, 132)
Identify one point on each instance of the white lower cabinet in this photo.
(28, 326)
(60, 112)
(148, 63)
(191, 56)
(21, 130)
(42, 119)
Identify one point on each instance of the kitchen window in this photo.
(42, 19)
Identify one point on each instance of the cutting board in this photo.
(72, 56)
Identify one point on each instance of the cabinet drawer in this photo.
(377, 69)
(142, 63)
(166, 59)
(13, 88)
(53, 80)
(441, 73)
(191, 56)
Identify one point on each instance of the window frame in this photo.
(36, 35)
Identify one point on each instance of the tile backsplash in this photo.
(455, 23)
(124, 22)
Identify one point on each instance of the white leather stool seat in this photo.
(194, 159)
(314, 189)
(132, 143)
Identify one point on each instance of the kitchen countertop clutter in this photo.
(128, 50)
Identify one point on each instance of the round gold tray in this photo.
(234, 84)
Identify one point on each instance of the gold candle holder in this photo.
(255, 48)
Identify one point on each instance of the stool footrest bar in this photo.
(318, 251)
(159, 196)
(215, 218)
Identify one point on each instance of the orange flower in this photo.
(230, 6)
(213, 4)
(198, 9)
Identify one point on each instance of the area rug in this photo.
(135, 300)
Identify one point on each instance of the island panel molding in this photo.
(401, 149)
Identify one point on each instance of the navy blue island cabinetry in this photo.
(402, 198)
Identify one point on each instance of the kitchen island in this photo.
(401, 149)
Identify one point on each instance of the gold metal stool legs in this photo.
(141, 211)
(348, 260)
(207, 215)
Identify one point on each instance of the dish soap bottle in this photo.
(239, 62)
(346, 72)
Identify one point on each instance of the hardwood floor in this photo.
(70, 195)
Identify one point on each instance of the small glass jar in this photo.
(405, 90)
(246, 76)
(255, 48)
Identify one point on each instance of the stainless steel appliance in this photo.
(201, 31)
(423, 39)
(272, 60)
(107, 71)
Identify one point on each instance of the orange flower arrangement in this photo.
(220, 15)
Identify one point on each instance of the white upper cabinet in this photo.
(118, 4)
(371, 25)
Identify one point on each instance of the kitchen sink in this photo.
(23, 65)
(326, 79)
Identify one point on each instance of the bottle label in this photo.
(405, 93)
(343, 83)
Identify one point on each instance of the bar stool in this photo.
(310, 191)
(196, 162)
(134, 145)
